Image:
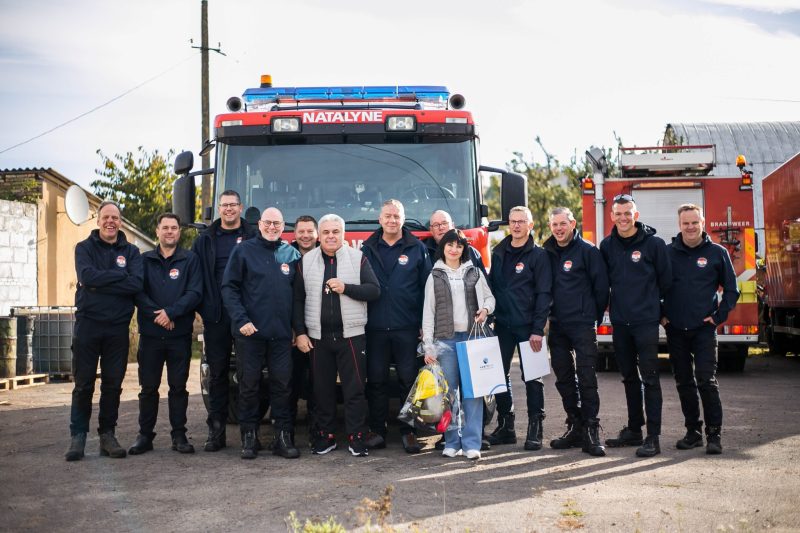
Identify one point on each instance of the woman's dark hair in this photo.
(457, 236)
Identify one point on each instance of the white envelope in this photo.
(534, 364)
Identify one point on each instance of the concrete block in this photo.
(20, 254)
(6, 255)
(5, 270)
(5, 207)
(5, 238)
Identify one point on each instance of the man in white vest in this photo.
(333, 284)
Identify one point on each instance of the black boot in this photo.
(76, 447)
(109, 446)
(181, 444)
(216, 437)
(284, 446)
(533, 441)
(504, 433)
(143, 444)
(626, 437)
(591, 439)
(713, 440)
(572, 438)
(249, 446)
(692, 439)
(650, 447)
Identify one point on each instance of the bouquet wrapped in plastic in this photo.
(431, 404)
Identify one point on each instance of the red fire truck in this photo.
(662, 178)
(782, 235)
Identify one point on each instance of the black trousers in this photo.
(93, 341)
(509, 339)
(383, 347)
(347, 358)
(252, 353)
(573, 354)
(302, 386)
(636, 350)
(154, 353)
(693, 355)
(218, 341)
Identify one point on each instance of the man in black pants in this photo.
(257, 291)
(109, 272)
(172, 290)
(521, 281)
(401, 264)
(640, 274)
(333, 285)
(580, 297)
(692, 313)
(213, 247)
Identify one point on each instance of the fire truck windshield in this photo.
(352, 180)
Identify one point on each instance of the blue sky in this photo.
(573, 73)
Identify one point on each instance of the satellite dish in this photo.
(77, 205)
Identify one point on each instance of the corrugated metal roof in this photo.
(766, 145)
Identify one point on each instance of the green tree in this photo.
(142, 184)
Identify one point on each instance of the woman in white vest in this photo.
(456, 295)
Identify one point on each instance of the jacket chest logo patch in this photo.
(121, 261)
(636, 256)
(567, 266)
(238, 239)
(702, 262)
(403, 260)
(285, 269)
(174, 273)
(519, 267)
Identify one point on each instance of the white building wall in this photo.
(18, 284)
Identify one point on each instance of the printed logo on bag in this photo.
(567, 266)
(174, 273)
(485, 360)
(238, 239)
(285, 269)
(636, 256)
(121, 262)
(403, 260)
(702, 262)
(519, 267)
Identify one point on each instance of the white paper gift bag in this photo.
(534, 364)
(481, 367)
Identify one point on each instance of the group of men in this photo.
(318, 308)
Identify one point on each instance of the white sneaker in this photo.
(451, 452)
(473, 454)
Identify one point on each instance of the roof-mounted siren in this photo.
(654, 161)
(234, 104)
(747, 175)
(266, 81)
(457, 101)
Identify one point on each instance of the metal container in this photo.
(25, 326)
(8, 347)
(52, 338)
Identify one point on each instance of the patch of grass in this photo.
(570, 509)
(571, 516)
(330, 525)
(379, 510)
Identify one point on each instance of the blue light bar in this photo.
(433, 94)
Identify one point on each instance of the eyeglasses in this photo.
(232, 204)
(440, 225)
(276, 223)
(517, 222)
(623, 198)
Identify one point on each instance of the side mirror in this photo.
(184, 162)
(183, 195)
(513, 192)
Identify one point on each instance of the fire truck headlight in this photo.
(286, 125)
(401, 124)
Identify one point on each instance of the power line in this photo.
(173, 67)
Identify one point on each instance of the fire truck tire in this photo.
(734, 360)
(777, 343)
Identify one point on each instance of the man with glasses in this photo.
(440, 223)
(257, 291)
(521, 281)
(640, 274)
(214, 247)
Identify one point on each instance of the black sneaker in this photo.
(692, 439)
(650, 447)
(714, 440)
(626, 437)
(357, 447)
(323, 443)
(375, 441)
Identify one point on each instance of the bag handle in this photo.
(477, 330)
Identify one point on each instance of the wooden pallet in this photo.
(21, 382)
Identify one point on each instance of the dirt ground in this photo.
(753, 486)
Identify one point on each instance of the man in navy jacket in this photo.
(109, 272)
(172, 289)
(257, 291)
(213, 247)
(440, 223)
(580, 297)
(640, 273)
(401, 264)
(521, 281)
(692, 313)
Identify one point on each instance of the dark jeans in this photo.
(693, 354)
(383, 347)
(218, 341)
(573, 354)
(93, 341)
(509, 338)
(154, 352)
(252, 353)
(345, 357)
(636, 350)
(301, 385)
